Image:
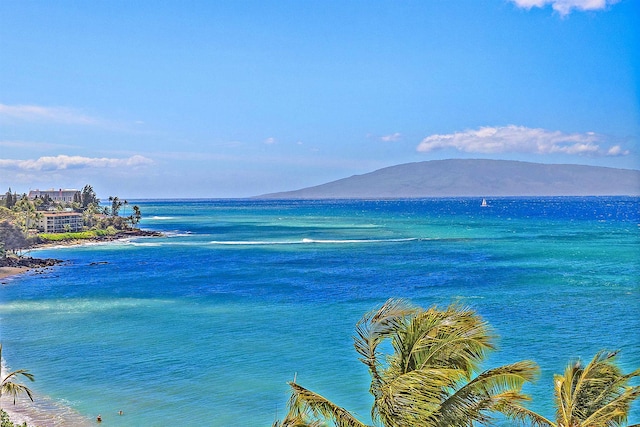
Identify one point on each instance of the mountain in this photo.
(481, 178)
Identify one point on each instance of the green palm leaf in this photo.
(426, 379)
(304, 401)
(488, 392)
(12, 388)
(592, 395)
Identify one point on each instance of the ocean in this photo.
(206, 325)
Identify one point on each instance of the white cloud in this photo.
(520, 139)
(46, 114)
(270, 141)
(564, 7)
(391, 138)
(32, 145)
(62, 162)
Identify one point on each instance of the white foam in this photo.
(42, 412)
(79, 305)
(310, 241)
(409, 239)
(178, 234)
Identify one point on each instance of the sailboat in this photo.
(484, 203)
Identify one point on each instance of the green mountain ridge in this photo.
(475, 178)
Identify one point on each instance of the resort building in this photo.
(59, 222)
(55, 195)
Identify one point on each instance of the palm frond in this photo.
(415, 396)
(512, 409)
(380, 324)
(488, 391)
(596, 393)
(25, 373)
(14, 389)
(563, 393)
(614, 412)
(305, 401)
(375, 327)
(456, 337)
(298, 421)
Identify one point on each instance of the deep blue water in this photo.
(206, 325)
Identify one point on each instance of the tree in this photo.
(116, 204)
(137, 215)
(9, 199)
(11, 237)
(594, 395)
(89, 215)
(88, 197)
(26, 210)
(429, 377)
(13, 388)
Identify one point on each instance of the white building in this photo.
(55, 195)
(59, 222)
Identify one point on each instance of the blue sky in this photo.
(241, 98)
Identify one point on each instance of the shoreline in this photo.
(6, 272)
(120, 235)
(11, 267)
(14, 266)
(42, 412)
(45, 412)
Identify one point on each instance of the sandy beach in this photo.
(11, 271)
(43, 412)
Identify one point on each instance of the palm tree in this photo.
(428, 379)
(137, 215)
(12, 388)
(595, 395)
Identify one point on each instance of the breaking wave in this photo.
(306, 241)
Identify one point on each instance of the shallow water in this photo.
(206, 325)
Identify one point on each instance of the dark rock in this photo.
(28, 262)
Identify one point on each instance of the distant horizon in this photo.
(266, 196)
(230, 100)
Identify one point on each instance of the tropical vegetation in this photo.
(19, 214)
(430, 376)
(591, 395)
(13, 388)
(5, 421)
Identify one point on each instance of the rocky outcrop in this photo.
(28, 262)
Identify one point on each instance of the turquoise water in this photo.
(206, 325)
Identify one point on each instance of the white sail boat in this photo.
(484, 203)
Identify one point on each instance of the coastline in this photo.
(6, 272)
(44, 412)
(13, 266)
(10, 267)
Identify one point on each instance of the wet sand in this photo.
(11, 271)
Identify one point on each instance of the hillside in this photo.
(460, 178)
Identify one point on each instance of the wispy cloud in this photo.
(392, 137)
(33, 145)
(564, 7)
(270, 141)
(520, 139)
(47, 114)
(62, 162)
